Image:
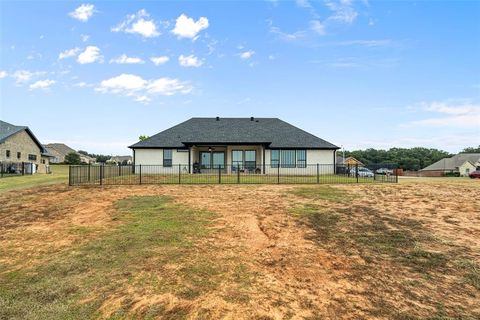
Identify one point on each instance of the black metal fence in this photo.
(228, 174)
(8, 169)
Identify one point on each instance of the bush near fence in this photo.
(223, 174)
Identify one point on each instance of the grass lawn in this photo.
(357, 251)
(152, 234)
(59, 175)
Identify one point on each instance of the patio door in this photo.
(211, 160)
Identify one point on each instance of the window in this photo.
(19, 155)
(301, 158)
(218, 160)
(167, 157)
(205, 160)
(275, 158)
(8, 153)
(237, 159)
(287, 158)
(250, 159)
(32, 157)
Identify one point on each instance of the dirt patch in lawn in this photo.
(273, 251)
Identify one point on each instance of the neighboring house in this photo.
(60, 150)
(121, 160)
(19, 144)
(349, 162)
(263, 145)
(462, 163)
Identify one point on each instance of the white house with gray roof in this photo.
(462, 163)
(260, 145)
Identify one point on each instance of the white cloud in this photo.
(284, 35)
(168, 87)
(343, 11)
(186, 27)
(462, 115)
(271, 57)
(121, 83)
(3, 74)
(138, 23)
(84, 37)
(90, 55)
(142, 90)
(42, 84)
(22, 76)
(68, 53)
(159, 60)
(189, 61)
(246, 55)
(124, 59)
(317, 27)
(81, 84)
(83, 13)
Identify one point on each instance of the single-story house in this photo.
(60, 150)
(462, 163)
(121, 160)
(262, 145)
(18, 144)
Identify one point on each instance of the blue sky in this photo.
(361, 74)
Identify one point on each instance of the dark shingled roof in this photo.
(272, 132)
(8, 129)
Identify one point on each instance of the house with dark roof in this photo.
(262, 145)
(462, 164)
(60, 151)
(18, 144)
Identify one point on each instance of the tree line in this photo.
(405, 158)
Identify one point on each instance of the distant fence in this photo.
(228, 174)
(8, 169)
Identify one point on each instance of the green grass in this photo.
(59, 175)
(323, 193)
(156, 248)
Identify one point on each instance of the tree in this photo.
(471, 150)
(408, 159)
(85, 153)
(72, 158)
(143, 137)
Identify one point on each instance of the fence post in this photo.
(238, 174)
(1, 170)
(318, 173)
(396, 175)
(23, 168)
(219, 174)
(89, 172)
(356, 171)
(119, 169)
(101, 174)
(140, 172)
(278, 173)
(179, 173)
(70, 175)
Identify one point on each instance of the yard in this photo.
(357, 251)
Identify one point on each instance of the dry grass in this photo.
(406, 251)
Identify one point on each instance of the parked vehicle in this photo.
(385, 171)
(475, 174)
(362, 172)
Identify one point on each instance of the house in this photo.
(262, 145)
(349, 162)
(121, 160)
(60, 150)
(462, 164)
(18, 144)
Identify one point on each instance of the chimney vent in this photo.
(251, 118)
(217, 118)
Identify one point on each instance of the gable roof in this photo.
(60, 148)
(454, 162)
(7, 130)
(272, 132)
